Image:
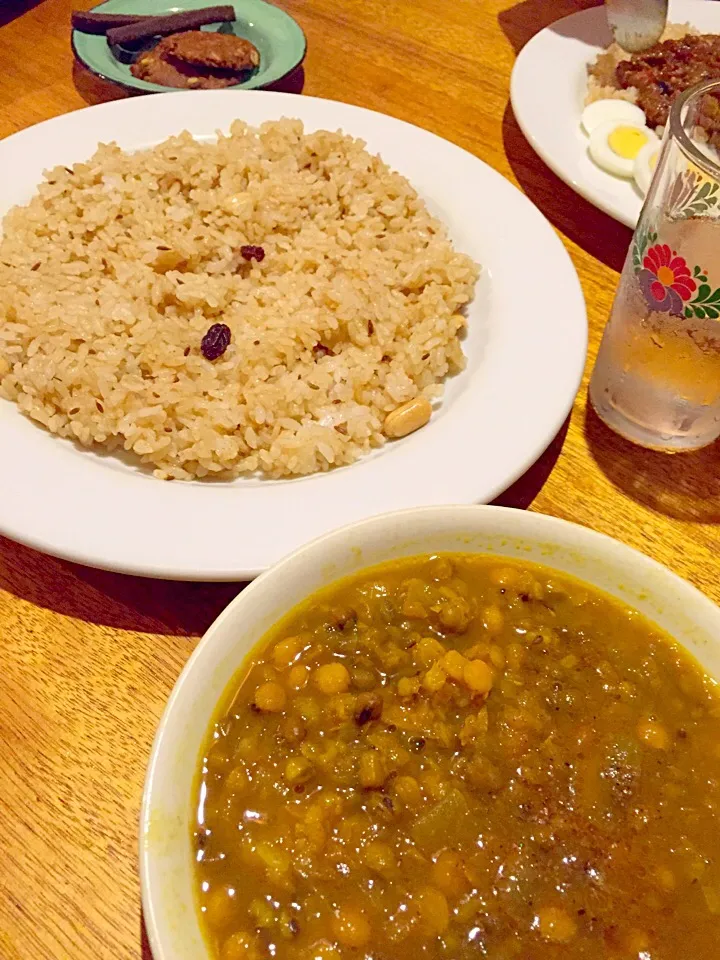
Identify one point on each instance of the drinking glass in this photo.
(657, 377)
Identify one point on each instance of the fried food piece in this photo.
(154, 68)
(223, 51)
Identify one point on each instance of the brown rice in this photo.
(113, 273)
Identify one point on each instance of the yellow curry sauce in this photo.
(463, 757)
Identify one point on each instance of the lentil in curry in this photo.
(463, 757)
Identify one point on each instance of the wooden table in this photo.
(87, 659)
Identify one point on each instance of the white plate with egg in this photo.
(548, 89)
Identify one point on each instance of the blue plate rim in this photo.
(158, 88)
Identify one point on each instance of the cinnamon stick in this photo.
(88, 22)
(172, 23)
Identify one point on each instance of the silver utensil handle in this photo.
(637, 24)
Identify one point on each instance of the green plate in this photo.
(277, 36)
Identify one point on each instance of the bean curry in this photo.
(462, 757)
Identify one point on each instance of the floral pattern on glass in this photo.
(668, 283)
(692, 194)
(665, 280)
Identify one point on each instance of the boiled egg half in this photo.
(615, 145)
(645, 164)
(601, 111)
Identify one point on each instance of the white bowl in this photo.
(167, 811)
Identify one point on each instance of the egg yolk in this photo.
(627, 142)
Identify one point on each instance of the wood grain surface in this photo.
(87, 659)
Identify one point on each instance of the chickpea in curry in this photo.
(460, 757)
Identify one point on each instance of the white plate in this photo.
(526, 351)
(547, 90)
